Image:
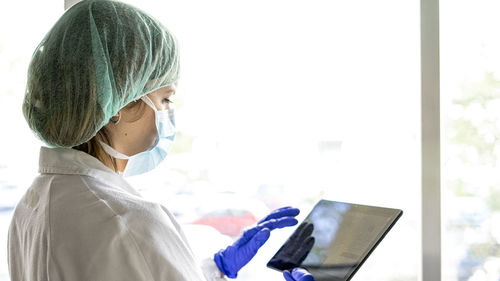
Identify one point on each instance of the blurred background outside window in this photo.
(470, 90)
(22, 26)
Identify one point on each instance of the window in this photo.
(470, 83)
(286, 102)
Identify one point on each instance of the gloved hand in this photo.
(298, 274)
(295, 249)
(234, 257)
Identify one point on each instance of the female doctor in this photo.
(98, 94)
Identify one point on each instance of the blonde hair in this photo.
(93, 146)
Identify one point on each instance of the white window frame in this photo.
(431, 153)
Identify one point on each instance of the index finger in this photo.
(282, 212)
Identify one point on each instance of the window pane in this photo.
(286, 102)
(470, 83)
(279, 103)
(24, 23)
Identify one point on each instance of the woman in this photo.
(98, 94)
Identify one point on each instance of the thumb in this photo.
(301, 274)
(288, 276)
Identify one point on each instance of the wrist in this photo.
(220, 264)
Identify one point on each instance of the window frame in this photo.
(430, 142)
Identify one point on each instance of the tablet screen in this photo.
(335, 239)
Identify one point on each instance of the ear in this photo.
(115, 119)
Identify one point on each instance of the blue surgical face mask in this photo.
(148, 160)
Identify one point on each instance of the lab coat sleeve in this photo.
(210, 270)
(207, 264)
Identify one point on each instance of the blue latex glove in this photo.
(234, 257)
(298, 274)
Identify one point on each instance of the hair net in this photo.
(99, 56)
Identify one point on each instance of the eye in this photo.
(166, 100)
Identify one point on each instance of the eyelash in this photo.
(167, 100)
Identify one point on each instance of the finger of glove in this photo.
(281, 212)
(300, 274)
(288, 276)
(249, 250)
(271, 224)
(279, 223)
(247, 235)
(301, 254)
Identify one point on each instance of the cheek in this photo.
(143, 135)
(150, 129)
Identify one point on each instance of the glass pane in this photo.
(286, 102)
(470, 83)
(279, 103)
(24, 23)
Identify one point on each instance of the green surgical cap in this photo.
(99, 56)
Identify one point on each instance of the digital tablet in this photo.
(335, 239)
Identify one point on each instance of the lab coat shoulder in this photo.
(102, 232)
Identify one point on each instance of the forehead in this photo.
(170, 89)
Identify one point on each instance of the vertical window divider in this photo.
(431, 154)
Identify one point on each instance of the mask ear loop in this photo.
(146, 100)
(149, 102)
(111, 151)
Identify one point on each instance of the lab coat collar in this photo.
(70, 161)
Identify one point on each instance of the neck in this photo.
(120, 164)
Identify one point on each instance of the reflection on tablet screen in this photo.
(335, 239)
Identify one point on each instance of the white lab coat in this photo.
(80, 221)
